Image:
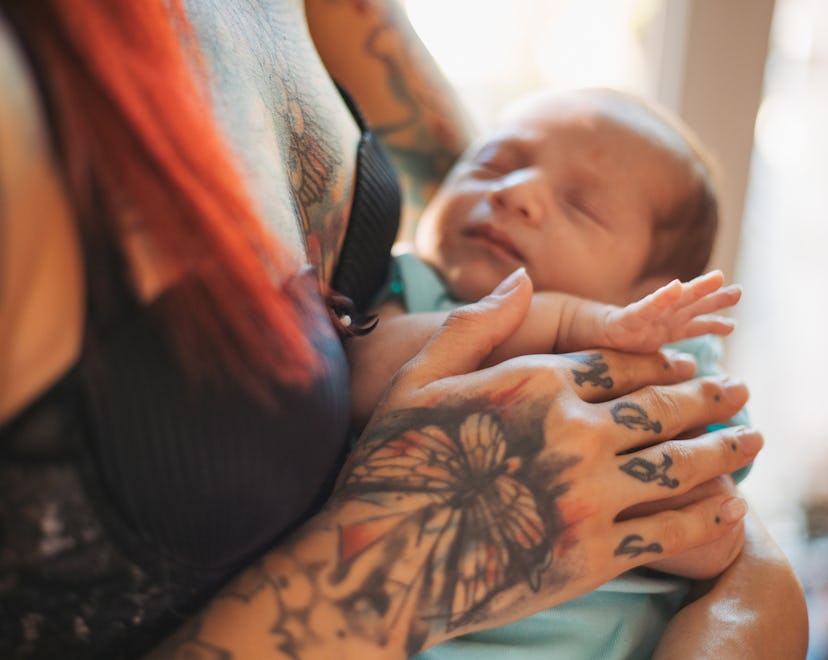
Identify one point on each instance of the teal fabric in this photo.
(621, 620)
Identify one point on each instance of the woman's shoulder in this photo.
(41, 275)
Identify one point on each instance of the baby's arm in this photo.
(560, 323)
(374, 358)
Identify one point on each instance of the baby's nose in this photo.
(517, 195)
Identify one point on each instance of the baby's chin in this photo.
(471, 289)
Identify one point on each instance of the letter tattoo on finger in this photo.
(645, 471)
(594, 375)
(632, 546)
(634, 416)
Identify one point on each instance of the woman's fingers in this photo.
(606, 374)
(721, 485)
(470, 333)
(662, 535)
(663, 412)
(676, 467)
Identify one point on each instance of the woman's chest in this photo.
(293, 138)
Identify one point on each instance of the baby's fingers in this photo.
(655, 304)
(677, 295)
(699, 287)
(711, 302)
(707, 325)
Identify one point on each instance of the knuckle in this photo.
(577, 422)
(674, 534)
(466, 321)
(664, 405)
(682, 456)
(546, 373)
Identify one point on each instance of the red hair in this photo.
(132, 122)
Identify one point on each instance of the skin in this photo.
(568, 186)
(308, 597)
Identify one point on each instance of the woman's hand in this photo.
(475, 498)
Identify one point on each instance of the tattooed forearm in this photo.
(646, 471)
(594, 375)
(632, 546)
(632, 415)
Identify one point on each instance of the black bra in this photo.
(375, 211)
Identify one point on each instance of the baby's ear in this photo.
(647, 285)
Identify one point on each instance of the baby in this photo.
(608, 202)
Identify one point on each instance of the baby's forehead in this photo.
(588, 110)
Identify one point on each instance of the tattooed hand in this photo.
(477, 497)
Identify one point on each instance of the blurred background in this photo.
(751, 77)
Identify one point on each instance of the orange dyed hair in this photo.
(132, 123)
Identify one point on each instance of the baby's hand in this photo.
(677, 310)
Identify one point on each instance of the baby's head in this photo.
(594, 191)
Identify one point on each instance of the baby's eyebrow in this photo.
(508, 146)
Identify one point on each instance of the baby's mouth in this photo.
(496, 238)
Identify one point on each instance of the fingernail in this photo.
(734, 509)
(683, 363)
(735, 390)
(510, 283)
(751, 441)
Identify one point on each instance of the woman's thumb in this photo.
(471, 332)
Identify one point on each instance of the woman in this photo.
(184, 223)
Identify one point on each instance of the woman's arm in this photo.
(475, 498)
(755, 609)
(371, 49)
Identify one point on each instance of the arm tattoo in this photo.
(628, 547)
(428, 130)
(632, 415)
(646, 471)
(595, 372)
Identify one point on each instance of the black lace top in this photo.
(129, 495)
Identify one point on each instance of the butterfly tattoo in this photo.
(458, 495)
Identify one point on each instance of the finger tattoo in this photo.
(594, 374)
(646, 471)
(632, 545)
(632, 415)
